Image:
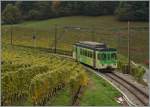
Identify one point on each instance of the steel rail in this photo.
(130, 87)
(143, 92)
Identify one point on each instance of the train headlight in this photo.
(115, 64)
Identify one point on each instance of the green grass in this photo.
(107, 29)
(99, 21)
(99, 93)
(61, 99)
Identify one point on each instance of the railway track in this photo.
(139, 94)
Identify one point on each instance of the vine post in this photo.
(129, 62)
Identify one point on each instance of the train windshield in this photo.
(103, 56)
(113, 56)
(107, 56)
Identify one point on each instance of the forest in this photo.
(19, 11)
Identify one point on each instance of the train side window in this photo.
(99, 56)
(104, 56)
(108, 56)
(83, 52)
(91, 54)
(87, 53)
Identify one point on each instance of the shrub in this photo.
(138, 72)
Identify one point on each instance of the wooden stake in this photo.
(55, 41)
(129, 63)
(11, 36)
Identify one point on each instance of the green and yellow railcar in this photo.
(95, 54)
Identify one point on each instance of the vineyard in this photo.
(32, 77)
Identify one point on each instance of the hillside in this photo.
(102, 29)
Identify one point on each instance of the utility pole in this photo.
(50, 40)
(129, 63)
(11, 35)
(92, 33)
(55, 41)
(34, 39)
(118, 38)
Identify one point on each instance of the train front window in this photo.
(103, 56)
(108, 56)
(113, 56)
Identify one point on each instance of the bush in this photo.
(138, 72)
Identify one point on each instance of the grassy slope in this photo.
(100, 22)
(62, 98)
(99, 92)
(139, 39)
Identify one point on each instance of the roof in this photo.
(89, 44)
(107, 49)
(94, 46)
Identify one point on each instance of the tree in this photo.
(4, 4)
(133, 10)
(40, 10)
(25, 7)
(91, 8)
(33, 14)
(44, 9)
(11, 14)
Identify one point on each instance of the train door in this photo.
(74, 52)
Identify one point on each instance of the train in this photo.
(96, 55)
